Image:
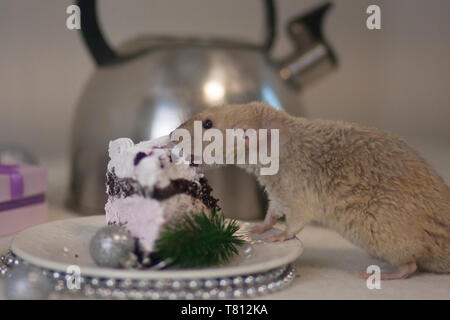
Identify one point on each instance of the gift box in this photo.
(22, 197)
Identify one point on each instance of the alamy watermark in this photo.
(374, 280)
(232, 150)
(73, 277)
(73, 21)
(373, 21)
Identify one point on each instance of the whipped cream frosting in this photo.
(155, 169)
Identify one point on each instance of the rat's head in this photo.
(220, 119)
(231, 116)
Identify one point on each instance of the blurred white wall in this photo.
(396, 78)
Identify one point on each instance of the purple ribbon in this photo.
(15, 179)
(10, 205)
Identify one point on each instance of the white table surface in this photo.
(328, 266)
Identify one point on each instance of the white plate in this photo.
(59, 244)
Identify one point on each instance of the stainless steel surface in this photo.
(151, 94)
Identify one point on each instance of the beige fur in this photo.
(368, 185)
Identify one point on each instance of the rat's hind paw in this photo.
(279, 237)
(403, 272)
(276, 238)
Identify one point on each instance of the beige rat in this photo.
(368, 185)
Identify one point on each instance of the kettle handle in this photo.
(105, 55)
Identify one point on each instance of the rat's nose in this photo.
(170, 136)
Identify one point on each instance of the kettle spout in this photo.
(313, 57)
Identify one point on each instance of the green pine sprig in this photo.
(198, 240)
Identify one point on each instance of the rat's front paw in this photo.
(260, 228)
(279, 237)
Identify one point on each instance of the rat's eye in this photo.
(207, 124)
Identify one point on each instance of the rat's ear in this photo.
(253, 129)
(276, 125)
(243, 125)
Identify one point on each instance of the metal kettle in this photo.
(149, 85)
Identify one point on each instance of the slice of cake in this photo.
(147, 187)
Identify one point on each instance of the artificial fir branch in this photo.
(198, 240)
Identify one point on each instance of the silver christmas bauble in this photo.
(27, 283)
(112, 246)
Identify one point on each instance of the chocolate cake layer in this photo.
(125, 187)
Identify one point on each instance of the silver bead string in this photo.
(239, 287)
